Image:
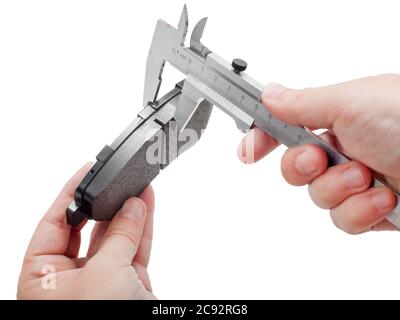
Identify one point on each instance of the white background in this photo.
(71, 78)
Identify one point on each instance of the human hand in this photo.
(363, 121)
(115, 266)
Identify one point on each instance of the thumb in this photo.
(312, 107)
(122, 238)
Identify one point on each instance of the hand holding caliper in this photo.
(362, 118)
(123, 168)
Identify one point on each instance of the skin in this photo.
(362, 118)
(115, 265)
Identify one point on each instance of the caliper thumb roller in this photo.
(122, 170)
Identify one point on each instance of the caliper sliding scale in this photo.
(122, 171)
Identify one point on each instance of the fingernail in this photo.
(133, 208)
(272, 91)
(382, 200)
(353, 178)
(304, 164)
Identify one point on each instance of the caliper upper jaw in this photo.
(195, 39)
(168, 45)
(165, 36)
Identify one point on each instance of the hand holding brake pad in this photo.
(122, 169)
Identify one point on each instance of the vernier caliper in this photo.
(123, 169)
